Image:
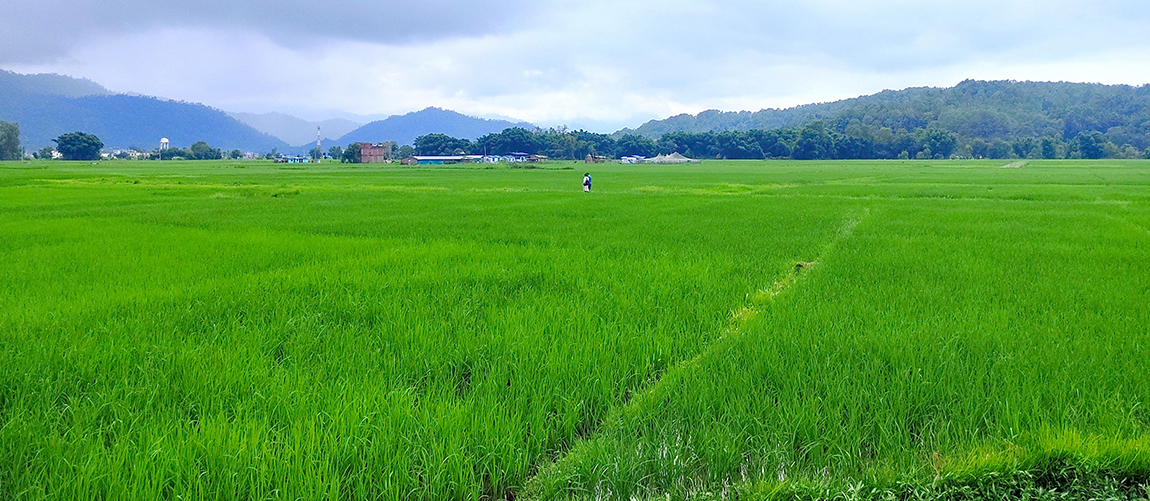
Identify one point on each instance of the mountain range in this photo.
(403, 129)
(48, 105)
(296, 131)
(989, 110)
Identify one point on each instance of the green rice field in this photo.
(725, 330)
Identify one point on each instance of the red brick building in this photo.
(374, 153)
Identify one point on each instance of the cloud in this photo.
(608, 63)
(35, 31)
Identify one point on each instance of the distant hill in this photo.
(46, 106)
(293, 130)
(50, 84)
(403, 129)
(988, 110)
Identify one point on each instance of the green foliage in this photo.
(994, 110)
(441, 144)
(633, 144)
(202, 151)
(236, 153)
(818, 140)
(1091, 144)
(351, 154)
(45, 153)
(814, 142)
(173, 154)
(78, 146)
(512, 140)
(10, 142)
(335, 152)
(1049, 148)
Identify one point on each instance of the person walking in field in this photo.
(587, 181)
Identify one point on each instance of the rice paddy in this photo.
(750, 330)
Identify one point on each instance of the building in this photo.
(375, 153)
(293, 160)
(441, 159)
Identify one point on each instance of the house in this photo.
(444, 159)
(375, 153)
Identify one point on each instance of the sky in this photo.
(594, 64)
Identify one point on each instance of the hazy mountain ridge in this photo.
(979, 109)
(403, 129)
(46, 106)
(294, 130)
(50, 84)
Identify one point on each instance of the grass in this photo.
(224, 330)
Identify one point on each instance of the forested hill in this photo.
(50, 84)
(403, 129)
(46, 106)
(995, 110)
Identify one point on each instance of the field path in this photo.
(756, 304)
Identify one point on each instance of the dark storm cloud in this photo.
(33, 31)
(562, 61)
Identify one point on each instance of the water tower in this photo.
(163, 146)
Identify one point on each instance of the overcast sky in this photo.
(598, 64)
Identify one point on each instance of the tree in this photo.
(511, 140)
(10, 142)
(814, 142)
(405, 151)
(1048, 148)
(78, 146)
(351, 154)
(45, 153)
(940, 142)
(202, 151)
(1091, 144)
(999, 149)
(335, 152)
(634, 144)
(1024, 147)
(316, 154)
(598, 144)
(234, 154)
(979, 148)
(441, 144)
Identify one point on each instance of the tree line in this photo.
(817, 140)
(995, 110)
